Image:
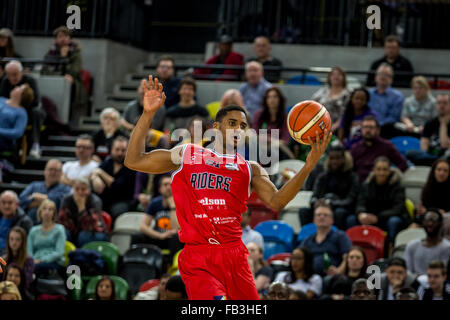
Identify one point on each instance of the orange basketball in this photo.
(307, 117)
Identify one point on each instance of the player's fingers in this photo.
(160, 87)
(3, 262)
(157, 84)
(163, 97)
(144, 85)
(150, 82)
(310, 142)
(317, 137)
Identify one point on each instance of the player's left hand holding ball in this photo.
(154, 96)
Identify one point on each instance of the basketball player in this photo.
(210, 191)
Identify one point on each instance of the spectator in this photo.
(180, 115)
(175, 289)
(84, 165)
(406, 293)
(419, 253)
(226, 56)
(297, 295)
(6, 48)
(15, 274)
(395, 278)
(105, 289)
(103, 138)
(13, 116)
(134, 109)
(381, 200)
(248, 234)
(9, 291)
(334, 96)
(262, 272)
(80, 215)
(114, 182)
(254, 89)
(232, 97)
(301, 274)
(356, 110)
(262, 48)
(417, 108)
(66, 59)
(11, 215)
(16, 252)
(386, 102)
(162, 210)
(278, 291)
(436, 290)
(371, 147)
(327, 246)
(272, 115)
(395, 60)
(46, 242)
(196, 132)
(435, 140)
(38, 191)
(145, 189)
(360, 291)
(338, 184)
(165, 71)
(156, 293)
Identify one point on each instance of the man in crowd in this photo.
(437, 288)
(165, 72)
(248, 234)
(254, 89)
(396, 278)
(262, 49)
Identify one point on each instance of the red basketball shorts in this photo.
(217, 272)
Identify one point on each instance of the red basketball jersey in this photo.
(210, 191)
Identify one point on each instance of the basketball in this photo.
(307, 117)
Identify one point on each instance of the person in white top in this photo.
(84, 166)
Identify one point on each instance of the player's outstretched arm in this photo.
(157, 161)
(278, 199)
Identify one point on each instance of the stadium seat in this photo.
(278, 237)
(301, 200)
(406, 143)
(306, 80)
(147, 285)
(370, 238)
(410, 208)
(414, 179)
(213, 108)
(69, 246)
(259, 212)
(125, 226)
(283, 256)
(76, 294)
(308, 230)
(291, 218)
(292, 164)
(108, 251)
(173, 269)
(107, 219)
(408, 235)
(279, 262)
(120, 284)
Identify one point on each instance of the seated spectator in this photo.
(9, 291)
(145, 189)
(156, 293)
(232, 97)
(225, 56)
(15, 77)
(349, 131)
(135, 108)
(38, 191)
(406, 293)
(180, 115)
(338, 184)
(46, 242)
(436, 290)
(254, 89)
(381, 200)
(339, 287)
(105, 289)
(417, 108)
(80, 215)
(262, 48)
(66, 56)
(84, 166)
(419, 253)
(113, 182)
(396, 61)
(395, 278)
(248, 234)
(334, 96)
(13, 116)
(278, 291)
(301, 275)
(297, 295)
(360, 291)
(15, 274)
(103, 138)
(371, 147)
(11, 215)
(327, 246)
(435, 140)
(196, 132)
(165, 72)
(162, 210)
(262, 272)
(386, 102)
(6, 48)
(175, 289)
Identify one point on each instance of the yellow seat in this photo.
(174, 267)
(68, 247)
(213, 108)
(410, 207)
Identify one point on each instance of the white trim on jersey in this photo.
(182, 158)
(250, 174)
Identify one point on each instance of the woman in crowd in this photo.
(334, 95)
(16, 252)
(105, 289)
(9, 291)
(349, 131)
(262, 273)
(81, 215)
(15, 274)
(46, 242)
(301, 274)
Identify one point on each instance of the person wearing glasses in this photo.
(84, 165)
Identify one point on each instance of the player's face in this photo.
(359, 100)
(441, 172)
(232, 127)
(435, 278)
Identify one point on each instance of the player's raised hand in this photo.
(318, 147)
(154, 96)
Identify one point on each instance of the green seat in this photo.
(120, 284)
(108, 251)
(76, 294)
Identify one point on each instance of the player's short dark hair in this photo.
(224, 111)
(188, 81)
(165, 57)
(176, 284)
(371, 118)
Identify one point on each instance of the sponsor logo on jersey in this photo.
(206, 180)
(207, 201)
(213, 241)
